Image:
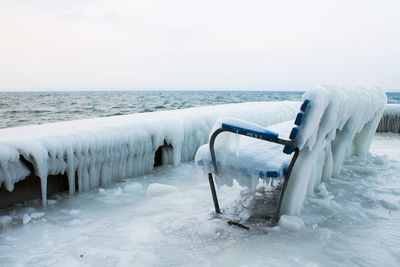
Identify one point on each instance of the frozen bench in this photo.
(265, 161)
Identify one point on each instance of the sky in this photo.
(198, 45)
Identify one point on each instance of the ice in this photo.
(5, 221)
(26, 218)
(182, 229)
(134, 188)
(36, 215)
(291, 223)
(101, 150)
(390, 121)
(156, 189)
(335, 128)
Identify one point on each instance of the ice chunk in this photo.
(156, 189)
(26, 218)
(5, 221)
(291, 223)
(133, 188)
(37, 215)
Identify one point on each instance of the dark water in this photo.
(25, 108)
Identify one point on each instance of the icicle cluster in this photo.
(341, 122)
(390, 121)
(95, 152)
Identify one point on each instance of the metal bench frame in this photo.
(290, 146)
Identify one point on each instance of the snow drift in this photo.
(95, 152)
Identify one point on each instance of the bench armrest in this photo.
(249, 129)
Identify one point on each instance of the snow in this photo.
(101, 150)
(99, 228)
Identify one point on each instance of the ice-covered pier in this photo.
(94, 152)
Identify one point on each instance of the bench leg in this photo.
(213, 193)
(285, 182)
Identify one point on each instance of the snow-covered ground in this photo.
(167, 218)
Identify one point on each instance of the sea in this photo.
(28, 108)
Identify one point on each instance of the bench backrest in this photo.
(295, 130)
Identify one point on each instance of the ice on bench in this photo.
(246, 161)
(340, 122)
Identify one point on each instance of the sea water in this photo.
(27, 108)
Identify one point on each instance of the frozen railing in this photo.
(390, 121)
(95, 152)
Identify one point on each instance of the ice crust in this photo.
(97, 151)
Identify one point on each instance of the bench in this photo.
(268, 161)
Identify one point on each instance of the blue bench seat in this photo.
(254, 158)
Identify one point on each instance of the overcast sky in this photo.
(183, 44)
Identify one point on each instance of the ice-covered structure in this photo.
(339, 122)
(390, 121)
(94, 152)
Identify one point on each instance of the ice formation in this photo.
(390, 121)
(340, 122)
(95, 152)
